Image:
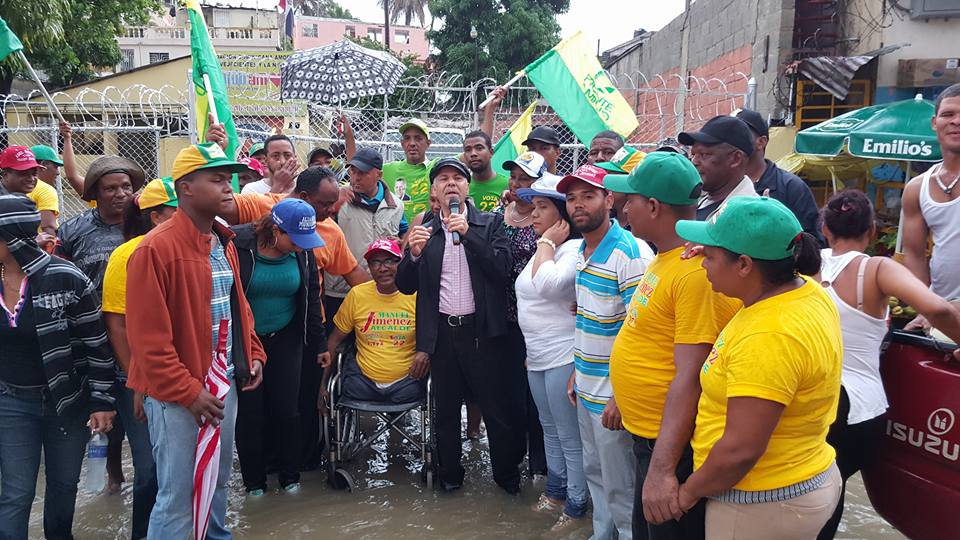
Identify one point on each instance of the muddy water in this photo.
(390, 501)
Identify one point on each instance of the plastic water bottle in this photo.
(96, 463)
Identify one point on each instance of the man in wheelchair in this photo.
(386, 369)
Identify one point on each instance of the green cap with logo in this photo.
(759, 227)
(624, 161)
(665, 176)
(415, 123)
(43, 152)
(256, 147)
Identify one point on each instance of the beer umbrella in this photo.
(206, 465)
(899, 130)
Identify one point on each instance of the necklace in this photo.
(946, 189)
(517, 219)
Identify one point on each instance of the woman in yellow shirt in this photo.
(770, 384)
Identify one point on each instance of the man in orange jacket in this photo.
(182, 282)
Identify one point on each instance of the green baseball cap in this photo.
(665, 176)
(415, 123)
(760, 227)
(43, 152)
(256, 147)
(624, 161)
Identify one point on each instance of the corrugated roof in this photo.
(834, 73)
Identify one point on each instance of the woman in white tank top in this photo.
(861, 287)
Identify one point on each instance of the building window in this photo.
(221, 18)
(350, 31)
(156, 57)
(402, 37)
(126, 63)
(310, 30)
(375, 34)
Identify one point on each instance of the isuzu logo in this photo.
(940, 421)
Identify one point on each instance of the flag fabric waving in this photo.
(510, 145)
(9, 42)
(572, 80)
(205, 61)
(206, 466)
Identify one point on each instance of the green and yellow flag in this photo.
(205, 61)
(572, 80)
(9, 42)
(509, 146)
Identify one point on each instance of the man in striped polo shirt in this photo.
(610, 265)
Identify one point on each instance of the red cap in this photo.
(385, 245)
(254, 165)
(588, 173)
(19, 158)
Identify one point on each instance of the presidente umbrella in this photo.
(339, 72)
(206, 464)
(899, 130)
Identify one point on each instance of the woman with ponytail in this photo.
(861, 287)
(771, 383)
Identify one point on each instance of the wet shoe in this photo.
(546, 505)
(255, 493)
(566, 523)
(292, 488)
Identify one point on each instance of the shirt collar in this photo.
(376, 199)
(609, 242)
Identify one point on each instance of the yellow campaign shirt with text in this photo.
(674, 304)
(787, 349)
(115, 277)
(385, 328)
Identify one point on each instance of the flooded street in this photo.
(390, 501)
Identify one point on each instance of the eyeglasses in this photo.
(387, 263)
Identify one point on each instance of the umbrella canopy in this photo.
(900, 130)
(339, 72)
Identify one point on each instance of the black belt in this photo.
(458, 320)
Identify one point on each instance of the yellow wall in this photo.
(781, 142)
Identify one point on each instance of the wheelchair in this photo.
(344, 439)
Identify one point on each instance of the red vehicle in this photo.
(915, 482)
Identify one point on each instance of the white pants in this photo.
(610, 468)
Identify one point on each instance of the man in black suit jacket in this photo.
(458, 264)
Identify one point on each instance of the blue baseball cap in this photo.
(298, 220)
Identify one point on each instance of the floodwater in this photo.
(390, 501)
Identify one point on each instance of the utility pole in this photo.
(684, 67)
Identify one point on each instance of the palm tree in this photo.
(410, 9)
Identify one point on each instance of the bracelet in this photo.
(548, 242)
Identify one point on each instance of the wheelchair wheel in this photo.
(339, 478)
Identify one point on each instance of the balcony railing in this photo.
(182, 33)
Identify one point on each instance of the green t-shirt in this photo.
(486, 194)
(417, 178)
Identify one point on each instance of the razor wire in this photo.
(149, 125)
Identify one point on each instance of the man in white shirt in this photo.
(721, 152)
(282, 167)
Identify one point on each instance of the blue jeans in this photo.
(173, 432)
(561, 438)
(144, 469)
(29, 423)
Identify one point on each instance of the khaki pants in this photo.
(800, 518)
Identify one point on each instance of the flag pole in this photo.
(36, 79)
(506, 85)
(212, 105)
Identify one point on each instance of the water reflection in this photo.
(390, 501)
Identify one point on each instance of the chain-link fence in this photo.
(150, 125)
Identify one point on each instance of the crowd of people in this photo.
(680, 343)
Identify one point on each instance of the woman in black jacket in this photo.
(281, 281)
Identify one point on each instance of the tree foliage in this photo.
(408, 9)
(322, 8)
(71, 39)
(510, 35)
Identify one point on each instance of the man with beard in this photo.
(486, 186)
(281, 161)
(611, 263)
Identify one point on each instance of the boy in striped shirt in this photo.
(610, 265)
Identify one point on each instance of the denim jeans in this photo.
(173, 432)
(28, 424)
(144, 469)
(561, 438)
(610, 469)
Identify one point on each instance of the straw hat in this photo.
(107, 165)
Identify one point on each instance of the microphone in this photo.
(454, 206)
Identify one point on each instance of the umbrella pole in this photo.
(898, 251)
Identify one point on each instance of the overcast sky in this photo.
(606, 20)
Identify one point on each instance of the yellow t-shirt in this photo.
(385, 327)
(785, 349)
(45, 197)
(674, 304)
(115, 277)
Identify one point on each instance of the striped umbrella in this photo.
(207, 462)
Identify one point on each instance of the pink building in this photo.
(313, 32)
